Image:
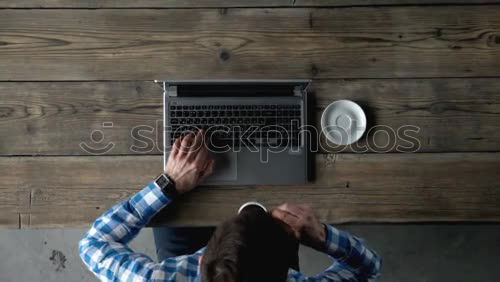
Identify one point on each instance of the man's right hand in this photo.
(304, 223)
(189, 162)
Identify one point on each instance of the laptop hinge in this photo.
(298, 91)
(171, 90)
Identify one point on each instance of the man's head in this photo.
(252, 246)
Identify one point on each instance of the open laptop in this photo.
(252, 127)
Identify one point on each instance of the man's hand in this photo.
(304, 223)
(189, 162)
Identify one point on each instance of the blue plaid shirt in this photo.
(104, 248)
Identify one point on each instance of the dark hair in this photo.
(252, 246)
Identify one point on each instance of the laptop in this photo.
(253, 128)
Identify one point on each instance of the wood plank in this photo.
(449, 114)
(340, 3)
(14, 198)
(391, 188)
(10, 220)
(364, 42)
(44, 118)
(55, 118)
(24, 220)
(219, 3)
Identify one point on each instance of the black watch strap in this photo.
(167, 186)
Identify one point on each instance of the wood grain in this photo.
(46, 118)
(391, 188)
(449, 114)
(145, 44)
(10, 221)
(219, 3)
(55, 118)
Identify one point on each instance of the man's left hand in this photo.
(304, 223)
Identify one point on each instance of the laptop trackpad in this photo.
(225, 168)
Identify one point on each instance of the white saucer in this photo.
(343, 122)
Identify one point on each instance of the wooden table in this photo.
(65, 70)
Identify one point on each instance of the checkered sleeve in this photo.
(353, 261)
(104, 247)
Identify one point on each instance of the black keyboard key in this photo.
(270, 121)
(268, 113)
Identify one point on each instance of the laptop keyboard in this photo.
(259, 125)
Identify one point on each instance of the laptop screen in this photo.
(241, 90)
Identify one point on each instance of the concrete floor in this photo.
(447, 252)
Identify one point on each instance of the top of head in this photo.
(252, 240)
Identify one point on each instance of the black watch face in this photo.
(162, 181)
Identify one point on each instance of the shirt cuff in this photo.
(149, 201)
(337, 242)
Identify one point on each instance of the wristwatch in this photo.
(167, 186)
